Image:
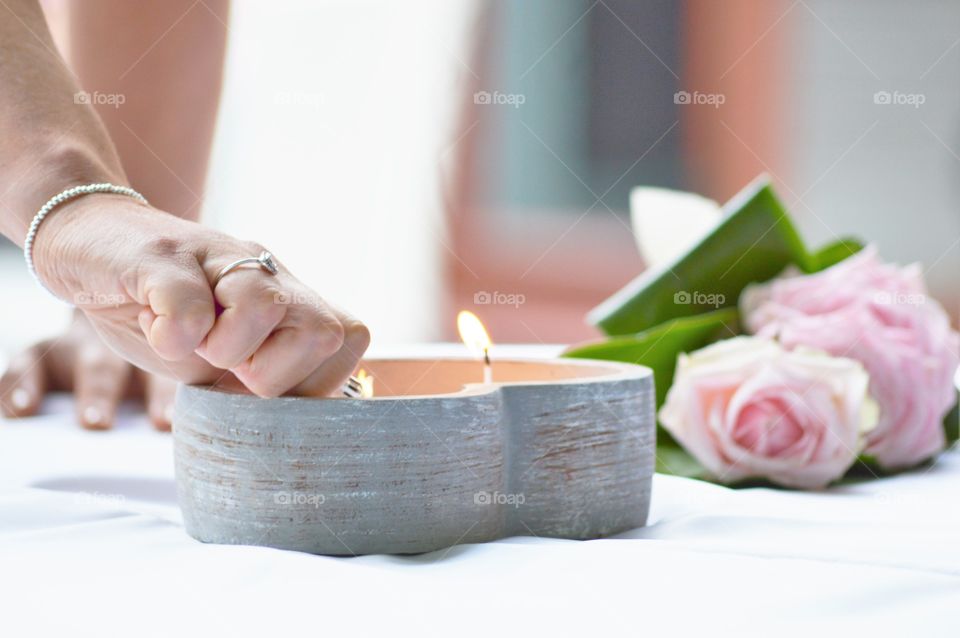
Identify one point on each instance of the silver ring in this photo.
(353, 389)
(265, 261)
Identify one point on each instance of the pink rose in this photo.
(880, 315)
(745, 407)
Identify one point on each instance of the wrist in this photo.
(73, 247)
(63, 166)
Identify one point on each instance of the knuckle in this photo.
(253, 248)
(357, 335)
(268, 296)
(164, 247)
(261, 312)
(256, 296)
(326, 336)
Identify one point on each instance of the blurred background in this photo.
(411, 159)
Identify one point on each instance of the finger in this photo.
(180, 310)
(312, 335)
(250, 314)
(328, 379)
(24, 383)
(100, 382)
(159, 401)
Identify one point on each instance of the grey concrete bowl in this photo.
(557, 448)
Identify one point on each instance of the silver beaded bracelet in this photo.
(58, 199)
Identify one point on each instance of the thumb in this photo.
(180, 310)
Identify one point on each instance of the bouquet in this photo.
(776, 363)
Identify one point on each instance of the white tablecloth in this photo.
(91, 544)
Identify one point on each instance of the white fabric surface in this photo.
(91, 544)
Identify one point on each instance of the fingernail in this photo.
(168, 414)
(20, 399)
(92, 415)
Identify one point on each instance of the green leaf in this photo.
(673, 459)
(951, 424)
(834, 253)
(755, 241)
(658, 347)
(671, 310)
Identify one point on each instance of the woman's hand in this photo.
(144, 280)
(79, 362)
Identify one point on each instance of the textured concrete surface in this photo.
(565, 458)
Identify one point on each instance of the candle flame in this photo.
(366, 384)
(473, 334)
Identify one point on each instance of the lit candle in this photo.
(475, 337)
(366, 384)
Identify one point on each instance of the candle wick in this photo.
(486, 356)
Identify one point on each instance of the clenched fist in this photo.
(144, 279)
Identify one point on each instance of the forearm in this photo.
(165, 65)
(48, 142)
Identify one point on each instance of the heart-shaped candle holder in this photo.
(553, 448)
